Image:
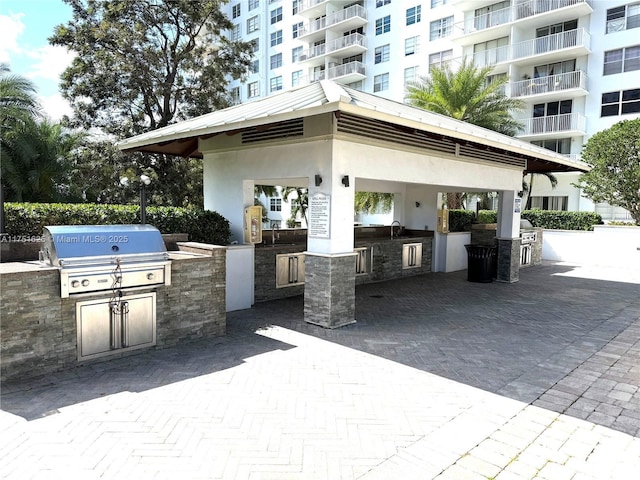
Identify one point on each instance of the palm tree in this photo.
(39, 169)
(299, 204)
(467, 95)
(372, 202)
(18, 105)
(527, 187)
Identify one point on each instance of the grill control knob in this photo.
(85, 282)
(151, 276)
(75, 283)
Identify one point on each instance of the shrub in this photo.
(460, 220)
(562, 220)
(28, 219)
(487, 216)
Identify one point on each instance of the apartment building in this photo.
(575, 63)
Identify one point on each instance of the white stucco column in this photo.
(508, 235)
(329, 292)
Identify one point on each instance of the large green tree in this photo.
(144, 64)
(614, 157)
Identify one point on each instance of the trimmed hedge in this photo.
(28, 219)
(561, 220)
(461, 220)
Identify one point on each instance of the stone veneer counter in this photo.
(38, 328)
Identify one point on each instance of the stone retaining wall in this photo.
(38, 328)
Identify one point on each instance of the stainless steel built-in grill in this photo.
(110, 265)
(527, 239)
(94, 258)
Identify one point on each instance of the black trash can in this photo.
(481, 260)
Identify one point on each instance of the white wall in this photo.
(605, 246)
(239, 277)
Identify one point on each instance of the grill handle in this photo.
(124, 314)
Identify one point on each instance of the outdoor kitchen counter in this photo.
(38, 331)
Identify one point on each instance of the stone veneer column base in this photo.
(330, 289)
(508, 260)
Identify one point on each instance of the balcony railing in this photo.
(536, 46)
(513, 13)
(337, 17)
(346, 69)
(492, 56)
(549, 84)
(549, 43)
(487, 20)
(536, 7)
(354, 39)
(554, 123)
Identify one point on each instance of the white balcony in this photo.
(527, 15)
(552, 47)
(346, 46)
(570, 84)
(347, 19)
(536, 13)
(553, 126)
(313, 8)
(347, 72)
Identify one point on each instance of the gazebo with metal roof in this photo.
(353, 141)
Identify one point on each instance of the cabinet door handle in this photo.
(124, 313)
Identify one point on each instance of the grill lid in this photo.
(65, 245)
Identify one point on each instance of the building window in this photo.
(235, 11)
(620, 103)
(622, 60)
(276, 15)
(235, 95)
(255, 45)
(558, 145)
(440, 59)
(296, 78)
(380, 3)
(276, 61)
(275, 84)
(550, 203)
(295, 54)
(297, 29)
(410, 75)
(383, 25)
(441, 28)
(255, 66)
(382, 54)
(381, 82)
(296, 6)
(413, 15)
(437, 3)
(253, 24)
(275, 204)
(236, 33)
(623, 18)
(252, 90)
(411, 45)
(253, 4)
(276, 38)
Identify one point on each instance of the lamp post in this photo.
(144, 182)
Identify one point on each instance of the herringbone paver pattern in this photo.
(394, 396)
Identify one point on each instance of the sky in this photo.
(25, 26)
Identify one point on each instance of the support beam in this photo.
(508, 235)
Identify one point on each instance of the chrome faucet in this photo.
(399, 227)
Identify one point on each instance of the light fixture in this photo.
(318, 180)
(144, 182)
(417, 204)
(345, 180)
(520, 193)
